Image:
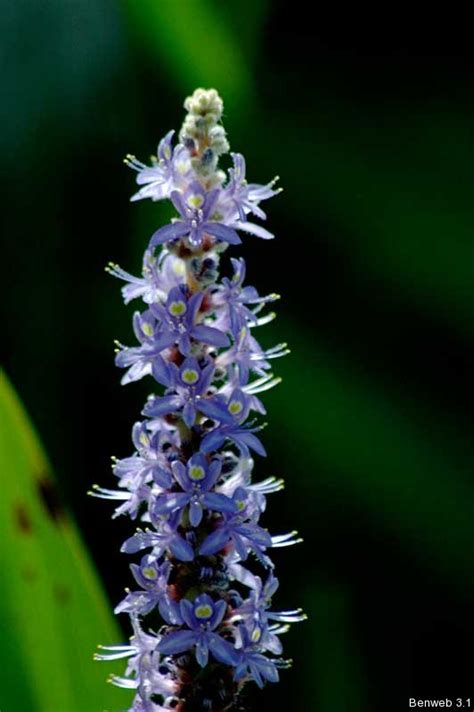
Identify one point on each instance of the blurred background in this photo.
(369, 123)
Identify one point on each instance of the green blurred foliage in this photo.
(198, 43)
(372, 426)
(332, 654)
(379, 451)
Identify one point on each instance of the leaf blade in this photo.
(51, 599)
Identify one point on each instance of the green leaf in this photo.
(52, 608)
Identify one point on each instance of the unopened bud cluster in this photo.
(202, 133)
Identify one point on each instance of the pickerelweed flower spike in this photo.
(189, 480)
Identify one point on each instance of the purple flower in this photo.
(232, 298)
(196, 208)
(159, 276)
(233, 429)
(256, 616)
(170, 171)
(188, 387)
(153, 578)
(240, 198)
(197, 480)
(244, 534)
(178, 321)
(247, 354)
(139, 359)
(253, 664)
(142, 673)
(201, 618)
(161, 327)
(147, 464)
(164, 538)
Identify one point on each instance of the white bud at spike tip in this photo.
(205, 103)
(201, 131)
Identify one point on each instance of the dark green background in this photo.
(368, 119)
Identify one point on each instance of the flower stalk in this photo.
(200, 614)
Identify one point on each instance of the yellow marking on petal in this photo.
(196, 472)
(195, 201)
(147, 328)
(190, 376)
(167, 152)
(235, 407)
(144, 439)
(240, 504)
(204, 611)
(256, 635)
(177, 308)
(149, 572)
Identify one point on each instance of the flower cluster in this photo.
(190, 478)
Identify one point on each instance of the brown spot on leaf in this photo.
(50, 498)
(22, 519)
(29, 574)
(62, 593)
